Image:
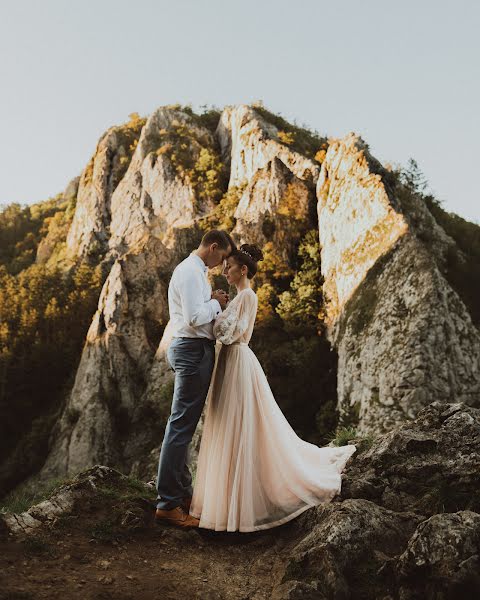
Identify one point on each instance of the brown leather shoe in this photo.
(176, 516)
(186, 504)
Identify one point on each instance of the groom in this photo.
(193, 308)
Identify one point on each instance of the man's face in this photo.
(218, 255)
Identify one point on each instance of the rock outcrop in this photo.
(143, 214)
(408, 523)
(277, 203)
(403, 335)
(249, 143)
(116, 410)
(405, 525)
(155, 196)
(90, 229)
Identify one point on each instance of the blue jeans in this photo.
(193, 360)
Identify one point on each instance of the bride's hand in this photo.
(221, 296)
(223, 292)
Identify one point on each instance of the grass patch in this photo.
(127, 504)
(127, 490)
(20, 500)
(343, 435)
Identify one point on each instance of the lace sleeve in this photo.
(234, 321)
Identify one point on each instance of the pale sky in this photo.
(404, 75)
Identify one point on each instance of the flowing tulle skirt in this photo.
(253, 471)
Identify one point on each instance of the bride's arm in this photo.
(233, 322)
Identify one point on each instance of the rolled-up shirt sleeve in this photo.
(195, 310)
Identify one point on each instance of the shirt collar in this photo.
(199, 262)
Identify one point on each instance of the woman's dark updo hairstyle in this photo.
(248, 255)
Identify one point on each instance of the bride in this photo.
(253, 471)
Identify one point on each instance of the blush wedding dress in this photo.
(253, 471)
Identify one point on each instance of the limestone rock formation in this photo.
(90, 230)
(153, 196)
(427, 465)
(403, 335)
(442, 558)
(408, 523)
(278, 183)
(249, 143)
(115, 411)
(146, 212)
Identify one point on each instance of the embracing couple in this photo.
(253, 471)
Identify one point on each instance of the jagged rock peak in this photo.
(158, 192)
(249, 142)
(89, 231)
(359, 218)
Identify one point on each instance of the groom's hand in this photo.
(221, 296)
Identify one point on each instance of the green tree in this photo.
(302, 305)
(45, 312)
(413, 178)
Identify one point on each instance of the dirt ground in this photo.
(90, 556)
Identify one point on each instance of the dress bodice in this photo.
(235, 324)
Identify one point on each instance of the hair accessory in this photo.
(247, 253)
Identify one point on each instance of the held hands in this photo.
(221, 296)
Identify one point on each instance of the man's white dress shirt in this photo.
(190, 303)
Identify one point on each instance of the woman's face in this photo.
(233, 271)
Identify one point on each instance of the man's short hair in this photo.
(222, 238)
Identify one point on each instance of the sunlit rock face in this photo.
(277, 202)
(404, 337)
(90, 229)
(275, 209)
(358, 221)
(153, 197)
(249, 143)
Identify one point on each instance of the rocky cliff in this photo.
(357, 266)
(143, 224)
(403, 335)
